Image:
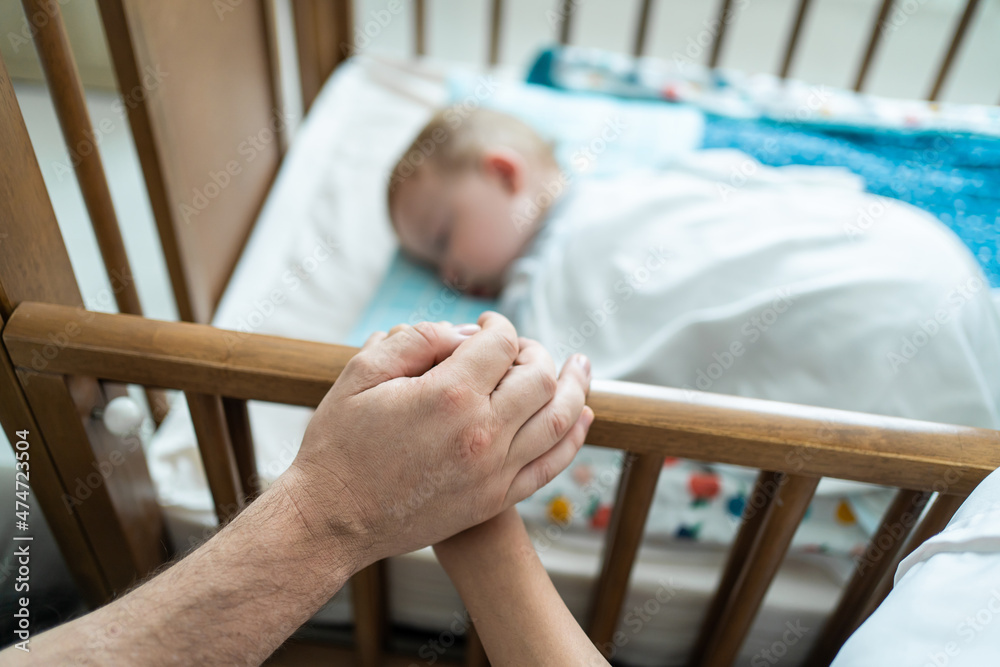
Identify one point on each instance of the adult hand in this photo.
(431, 429)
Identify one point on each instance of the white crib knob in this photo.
(123, 416)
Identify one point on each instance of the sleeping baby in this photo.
(712, 273)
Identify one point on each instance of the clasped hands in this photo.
(432, 429)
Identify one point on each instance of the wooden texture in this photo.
(47, 489)
(756, 508)
(419, 27)
(870, 569)
(323, 39)
(368, 595)
(874, 38)
(791, 44)
(758, 570)
(642, 28)
(207, 136)
(241, 438)
(209, 420)
(953, 46)
(644, 419)
(932, 523)
(722, 21)
(34, 265)
(106, 479)
(496, 24)
(66, 91)
(628, 522)
(566, 9)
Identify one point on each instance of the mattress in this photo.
(316, 259)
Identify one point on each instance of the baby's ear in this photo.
(508, 166)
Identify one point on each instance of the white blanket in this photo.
(791, 284)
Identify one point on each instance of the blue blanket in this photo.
(954, 176)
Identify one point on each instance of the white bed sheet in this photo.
(315, 258)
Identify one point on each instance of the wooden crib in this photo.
(62, 364)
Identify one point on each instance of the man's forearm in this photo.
(518, 613)
(233, 601)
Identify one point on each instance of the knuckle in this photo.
(474, 440)
(548, 382)
(507, 345)
(544, 473)
(559, 423)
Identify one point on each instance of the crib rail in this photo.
(793, 445)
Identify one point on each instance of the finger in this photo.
(483, 360)
(404, 352)
(528, 385)
(548, 426)
(374, 338)
(543, 469)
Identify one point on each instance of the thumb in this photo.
(408, 351)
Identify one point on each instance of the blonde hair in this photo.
(456, 138)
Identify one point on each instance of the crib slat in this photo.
(323, 39)
(52, 44)
(904, 453)
(722, 21)
(873, 41)
(475, 654)
(793, 38)
(759, 568)
(217, 455)
(956, 43)
(566, 15)
(419, 27)
(496, 20)
(898, 522)
(368, 594)
(241, 437)
(642, 28)
(640, 473)
(934, 521)
(757, 505)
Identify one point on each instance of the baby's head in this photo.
(469, 193)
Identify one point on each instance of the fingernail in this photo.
(467, 329)
(588, 416)
(584, 363)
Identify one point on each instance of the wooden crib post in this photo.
(757, 570)
(52, 44)
(897, 523)
(628, 522)
(94, 489)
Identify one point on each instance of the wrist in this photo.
(317, 532)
